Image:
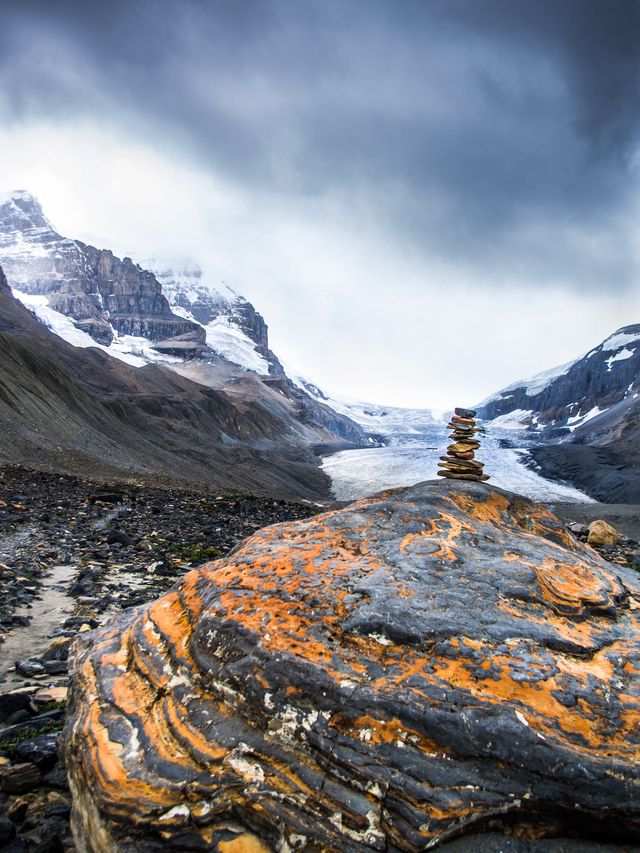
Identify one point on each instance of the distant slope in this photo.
(559, 401)
(81, 411)
(588, 412)
(603, 455)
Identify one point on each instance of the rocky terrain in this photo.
(72, 554)
(418, 666)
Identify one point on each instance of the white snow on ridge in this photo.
(578, 420)
(517, 419)
(620, 339)
(619, 356)
(534, 384)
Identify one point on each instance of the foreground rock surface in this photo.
(420, 665)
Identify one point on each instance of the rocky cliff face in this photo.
(219, 309)
(102, 293)
(561, 400)
(417, 666)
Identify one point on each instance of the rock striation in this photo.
(423, 664)
(460, 462)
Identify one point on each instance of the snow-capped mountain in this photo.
(105, 296)
(372, 417)
(233, 327)
(563, 399)
(167, 314)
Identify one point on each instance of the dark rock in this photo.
(37, 722)
(119, 537)
(430, 662)
(51, 844)
(18, 845)
(108, 497)
(41, 751)
(7, 830)
(18, 717)
(29, 668)
(56, 667)
(17, 700)
(57, 778)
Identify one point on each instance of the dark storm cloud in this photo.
(498, 135)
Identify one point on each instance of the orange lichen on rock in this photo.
(384, 675)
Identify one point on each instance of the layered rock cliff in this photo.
(226, 316)
(102, 293)
(420, 665)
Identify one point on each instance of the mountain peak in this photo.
(20, 210)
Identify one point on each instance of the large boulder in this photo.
(419, 665)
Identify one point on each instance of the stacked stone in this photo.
(460, 462)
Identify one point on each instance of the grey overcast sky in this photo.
(426, 199)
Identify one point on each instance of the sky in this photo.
(426, 199)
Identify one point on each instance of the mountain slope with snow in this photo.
(559, 401)
(168, 315)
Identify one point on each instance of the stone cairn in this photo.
(459, 463)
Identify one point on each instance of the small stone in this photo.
(29, 668)
(50, 694)
(465, 413)
(464, 446)
(41, 751)
(119, 537)
(18, 717)
(18, 778)
(58, 649)
(7, 830)
(602, 533)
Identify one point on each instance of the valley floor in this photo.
(413, 457)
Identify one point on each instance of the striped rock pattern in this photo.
(418, 665)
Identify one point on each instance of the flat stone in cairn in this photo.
(460, 462)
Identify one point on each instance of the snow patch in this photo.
(232, 343)
(517, 419)
(533, 385)
(578, 420)
(620, 356)
(620, 339)
(132, 350)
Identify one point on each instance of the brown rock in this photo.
(462, 475)
(18, 778)
(602, 533)
(463, 446)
